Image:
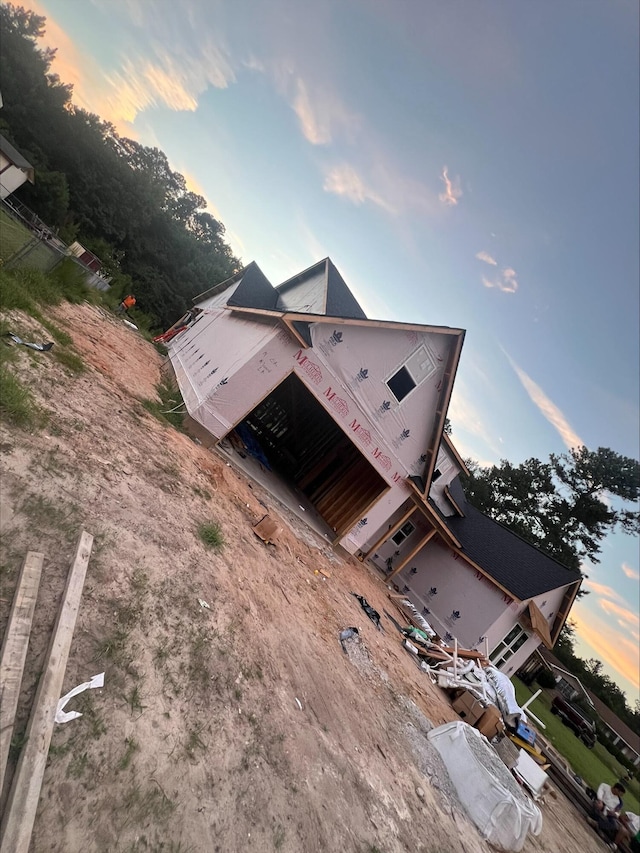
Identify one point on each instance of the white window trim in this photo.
(403, 363)
(405, 535)
(500, 658)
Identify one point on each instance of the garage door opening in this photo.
(304, 445)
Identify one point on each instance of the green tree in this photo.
(111, 191)
(565, 506)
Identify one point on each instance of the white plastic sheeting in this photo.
(505, 696)
(487, 790)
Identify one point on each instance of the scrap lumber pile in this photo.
(24, 793)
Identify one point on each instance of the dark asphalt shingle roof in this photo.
(321, 288)
(519, 567)
(332, 297)
(254, 291)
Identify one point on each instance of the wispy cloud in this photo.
(466, 418)
(630, 573)
(452, 192)
(321, 114)
(603, 590)
(167, 80)
(172, 78)
(506, 280)
(345, 181)
(547, 408)
(609, 644)
(625, 617)
(486, 257)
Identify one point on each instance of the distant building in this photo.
(14, 169)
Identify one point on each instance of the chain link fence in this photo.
(25, 241)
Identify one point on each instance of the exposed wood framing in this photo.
(565, 607)
(14, 650)
(432, 516)
(291, 316)
(296, 334)
(539, 625)
(412, 553)
(359, 514)
(390, 532)
(20, 812)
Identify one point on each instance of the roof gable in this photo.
(514, 563)
(321, 290)
(254, 290)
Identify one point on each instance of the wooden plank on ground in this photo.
(14, 650)
(20, 812)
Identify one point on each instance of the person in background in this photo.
(128, 302)
(606, 809)
(628, 832)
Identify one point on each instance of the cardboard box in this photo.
(468, 708)
(490, 723)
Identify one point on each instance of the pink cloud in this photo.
(506, 281)
(452, 192)
(613, 647)
(625, 616)
(630, 573)
(603, 590)
(345, 181)
(486, 257)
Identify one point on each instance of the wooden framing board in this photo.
(20, 812)
(390, 532)
(539, 625)
(14, 649)
(412, 554)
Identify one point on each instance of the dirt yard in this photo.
(238, 727)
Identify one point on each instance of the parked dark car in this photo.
(576, 720)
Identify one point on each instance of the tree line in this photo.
(121, 199)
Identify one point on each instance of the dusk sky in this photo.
(465, 164)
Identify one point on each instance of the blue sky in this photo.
(466, 164)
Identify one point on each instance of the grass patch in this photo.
(60, 337)
(131, 747)
(194, 742)
(113, 648)
(69, 359)
(592, 765)
(170, 409)
(145, 806)
(61, 518)
(211, 535)
(17, 405)
(24, 289)
(134, 701)
(205, 494)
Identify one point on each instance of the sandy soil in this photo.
(238, 727)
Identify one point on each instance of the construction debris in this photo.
(369, 610)
(38, 347)
(63, 716)
(265, 529)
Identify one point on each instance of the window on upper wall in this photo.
(400, 535)
(515, 639)
(418, 367)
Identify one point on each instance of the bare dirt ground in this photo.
(235, 728)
